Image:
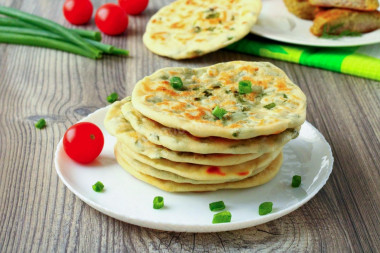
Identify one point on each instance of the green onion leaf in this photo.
(245, 87)
(296, 181)
(213, 15)
(158, 202)
(265, 208)
(218, 112)
(112, 97)
(40, 124)
(98, 186)
(285, 96)
(197, 29)
(176, 82)
(270, 106)
(222, 217)
(217, 206)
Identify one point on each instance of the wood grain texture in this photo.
(39, 214)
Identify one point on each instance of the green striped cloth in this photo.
(361, 61)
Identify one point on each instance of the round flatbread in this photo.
(261, 178)
(182, 141)
(273, 105)
(118, 126)
(165, 175)
(191, 28)
(203, 172)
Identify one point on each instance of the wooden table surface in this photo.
(38, 213)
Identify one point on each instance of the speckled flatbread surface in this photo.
(191, 28)
(274, 104)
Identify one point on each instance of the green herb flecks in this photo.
(230, 38)
(236, 134)
(331, 32)
(270, 106)
(207, 93)
(296, 181)
(217, 206)
(211, 29)
(40, 124)
(222, 217)
(176, 83)
(112, 97)
(285, 96)
(265, 208)
(158, 202)
(245, 87)
(197, 29)
(98, 186)
(213, 15)
(218, 112)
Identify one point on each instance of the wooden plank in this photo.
(39, 214)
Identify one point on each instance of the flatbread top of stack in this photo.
(191, 28)
(274, 105)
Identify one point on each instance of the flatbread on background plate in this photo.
(191, 28)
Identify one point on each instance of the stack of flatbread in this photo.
(172, 137)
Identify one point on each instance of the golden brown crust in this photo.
(364, 5)
(345, 20)
(301, 8)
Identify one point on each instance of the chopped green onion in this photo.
(285, 96)
(222, 217)
(197, 29)
(296, 181)
(98, 186)
(176, 82)
(40, 124)
(270, 106)
(265, 208)
(213, 15)
(207, 93)
(235, 134)
(112, 97)
(158, 202)
(217, 206)
(218, 112)
(245, 87)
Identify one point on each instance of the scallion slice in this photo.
(217, 206)
(296, 181)
(158, 202)
(176, 82)
(112, 97)
(270, 106)
(218, 112)
(245, 87)
(265, 208)
(40, 124)
(98, 186)
(222, 217)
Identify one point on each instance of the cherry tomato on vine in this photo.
(77, 12)
(111, 19)
(133, 7)
(83, 142)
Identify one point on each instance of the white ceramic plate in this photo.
(275, 22)
(130, 200)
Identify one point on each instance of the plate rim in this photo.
(165, 226)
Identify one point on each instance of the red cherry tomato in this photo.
(83, 142)
(111, 19)
(77, 12)
(133, 7)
